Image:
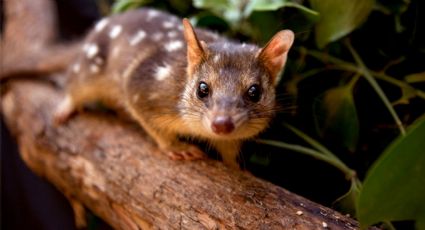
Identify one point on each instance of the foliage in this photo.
(339, 18)
(395, 185)
(339, 114)
(124, 5)
(356, 82)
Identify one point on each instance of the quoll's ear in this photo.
(275, 52)
(196, 50)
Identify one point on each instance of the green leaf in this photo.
(262, 12)
(124, 5)
(271, 5)
(267, 5)
(209, 20)
(235, 12)
(415, 77)
(181, 6)
(262, 29)
(394, 188)
(229, 10)
(206, 4)
(420, 224)
(347, 202)
(406, 95)
(339, 18)
(336, 116)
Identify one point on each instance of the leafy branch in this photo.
(319, 152)
(366, 73)
(369, 75)
(340, 64)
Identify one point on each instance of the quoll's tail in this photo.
(29, 43)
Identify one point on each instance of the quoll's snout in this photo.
(222, 125)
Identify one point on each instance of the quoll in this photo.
(177, 81)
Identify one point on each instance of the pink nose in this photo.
(222, 125)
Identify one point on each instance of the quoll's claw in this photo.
(60, 118)
(63, 111)
(186, 152)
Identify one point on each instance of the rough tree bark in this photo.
(112, 168)
(29, 41)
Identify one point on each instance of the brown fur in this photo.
(146, 63)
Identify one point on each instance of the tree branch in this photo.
(28, 44)
(112, 168)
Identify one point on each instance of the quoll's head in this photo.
(230, 93)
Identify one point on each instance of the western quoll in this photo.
(177, 81)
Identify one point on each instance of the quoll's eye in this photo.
(203, 90)
(254, 93)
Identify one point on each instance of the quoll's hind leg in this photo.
(80, 94)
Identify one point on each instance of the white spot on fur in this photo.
(101, 24)
(115, 31)
(225, 45)
(173, 45)
(137, 37)
(157, 36)
(180, 27)
(98, 60)
(243, 44)
(94, 68)
(86, 47)
(215, 36)
(162, 72)
(152, 14)
(115, 51)
(76, 68)
(92, 50)
(168, 24)
(172, 34)
(216, 58)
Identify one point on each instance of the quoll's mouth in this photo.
(222, 125)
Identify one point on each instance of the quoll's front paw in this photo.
(185, 152)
